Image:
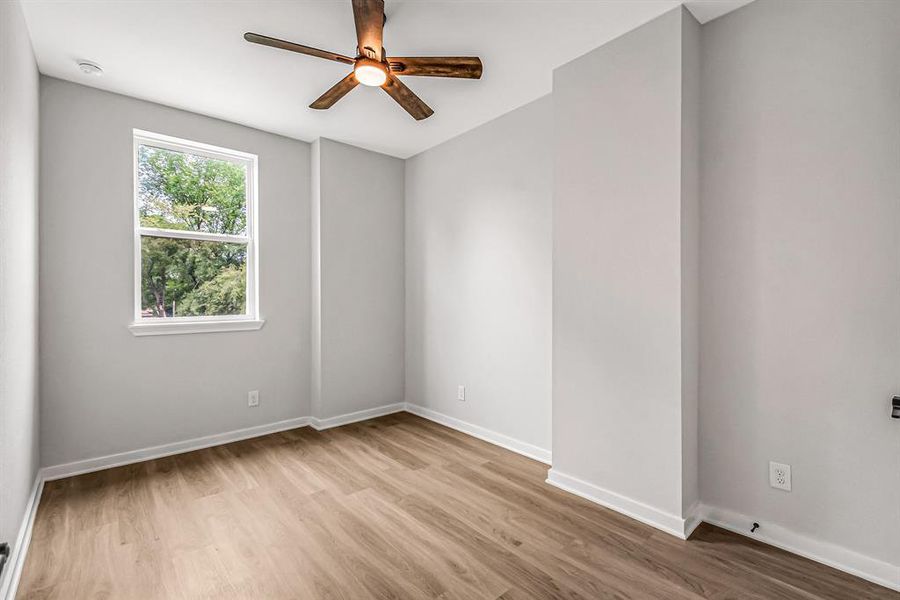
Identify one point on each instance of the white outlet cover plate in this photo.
(253, 398)
(461, 393)
(780, 476)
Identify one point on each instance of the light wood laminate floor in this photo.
(395, 507)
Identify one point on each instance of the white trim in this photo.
(360, 415)
(251, 163)
(135, 456)
(692, 519)
(649, 515)
(204, 325)
(827, 553)
(188, 234)
(498, 439)
(197, 319)
(13, 569)
(143, 454)
(169, 142)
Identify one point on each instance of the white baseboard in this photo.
(498, 439)
(13, 569)
(360, 415)
(692, 519)
(135, 456)
(827, 553)
(671, 524)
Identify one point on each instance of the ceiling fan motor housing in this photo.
(366, 61)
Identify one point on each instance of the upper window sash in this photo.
(166, 142)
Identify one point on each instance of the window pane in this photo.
(183, 191)
(187, 278)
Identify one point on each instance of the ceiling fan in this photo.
(372, 67)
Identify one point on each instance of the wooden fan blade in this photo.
(407, 99)
(276, 43)
(369, 18)
(337, 91)
(468, 67)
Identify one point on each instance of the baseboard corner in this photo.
(354, 417)
(692, 519)
(639, 511)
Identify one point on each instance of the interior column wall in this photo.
(621, 273)
(690, 262)
(359, 289)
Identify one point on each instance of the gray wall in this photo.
(106, 391)
(619, 330)
(478, 246)
(800, 282)
(19, 451)
(359, 293)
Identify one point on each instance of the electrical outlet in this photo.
(253, 398)
(780, 476)
(461, 393)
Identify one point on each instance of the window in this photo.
(194, 237)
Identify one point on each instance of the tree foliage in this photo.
(191, 193)
(223, 294)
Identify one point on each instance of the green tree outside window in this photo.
(186, 192)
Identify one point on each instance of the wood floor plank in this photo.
(447, 559)
(395, 507)
(492, 518)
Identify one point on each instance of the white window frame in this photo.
(200, 324)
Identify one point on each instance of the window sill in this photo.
(183, 327)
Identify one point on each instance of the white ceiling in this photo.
(190, 54)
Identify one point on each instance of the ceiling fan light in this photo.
(370, 73)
